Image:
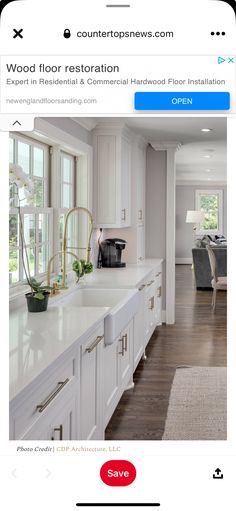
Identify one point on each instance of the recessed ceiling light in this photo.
(206, 156)
(208, 178)
(205, 130)
(208, 170)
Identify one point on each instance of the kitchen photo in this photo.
(118, 279)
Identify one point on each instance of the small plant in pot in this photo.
(37, 297)
(81, 268)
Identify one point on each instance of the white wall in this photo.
(156, 207)
(73, 128)
(185, 199)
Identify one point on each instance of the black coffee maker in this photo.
(110, 253)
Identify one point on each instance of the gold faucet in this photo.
(65, 250)
(63, 283)
(88, 247)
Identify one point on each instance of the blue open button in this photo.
(182, 101)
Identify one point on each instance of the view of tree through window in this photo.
(210, 205)
(210, 202)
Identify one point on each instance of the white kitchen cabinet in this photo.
(158, 298)
(126, 353)
(111, 379)
(140, 179)
(59, 423)
(75, 395)
(139, 322)
(149, 313)
(112, 177)
(117, 370)
(140, 243)
(91, 386)
(38, 406)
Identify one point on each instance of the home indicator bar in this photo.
(122, 506)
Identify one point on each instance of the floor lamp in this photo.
(195, 218)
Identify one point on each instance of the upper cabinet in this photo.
(112, 176)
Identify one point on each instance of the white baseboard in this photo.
(163, 316)
(183, 260)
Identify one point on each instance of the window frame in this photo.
(57, 140)
(34, 143)
(198, 194)
(32, 210)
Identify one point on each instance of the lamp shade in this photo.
(195, 217)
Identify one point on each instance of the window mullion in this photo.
(36, 244)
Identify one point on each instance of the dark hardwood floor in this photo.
(198, 338)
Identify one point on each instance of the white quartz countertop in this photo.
(129, 276)
(38, 339)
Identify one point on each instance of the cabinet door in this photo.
(125, 355)
(139, 329)
(63, 424)
(158, 298)
(106, 191)
(111, 379)
(58, 424)
(117, 370)
(141, 173)
(112, 180)
(149, 313)
(91, 388)
(125, 197)
(140, 243)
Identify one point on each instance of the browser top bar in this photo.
(118, 28)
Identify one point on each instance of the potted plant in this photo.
(37, 297)
(81, 268)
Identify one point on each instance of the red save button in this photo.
(118, 473)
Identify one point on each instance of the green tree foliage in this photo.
(210, 206)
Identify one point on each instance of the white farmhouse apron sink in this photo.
(123, 304)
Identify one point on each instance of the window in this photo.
(211, 203)
(67, 201)
(36, 219)
(53, 171)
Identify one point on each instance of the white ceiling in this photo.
(191, 164)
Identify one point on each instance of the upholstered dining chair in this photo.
(217, 282)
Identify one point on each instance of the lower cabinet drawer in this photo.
(36, 402)
(60, 423)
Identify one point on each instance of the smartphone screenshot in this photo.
(117, 150)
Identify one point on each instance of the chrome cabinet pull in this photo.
(151, 303)
(60, 429)
(122, 352)
(123, 214)
(150, 283)
(142, 287)
(140, 214)
(159, 291)
(94, 343)
(159, 273)
(125, 337)
(44, 405)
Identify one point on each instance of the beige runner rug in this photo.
(198, 405)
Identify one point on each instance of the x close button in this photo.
(17, 33)
(118, 473)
